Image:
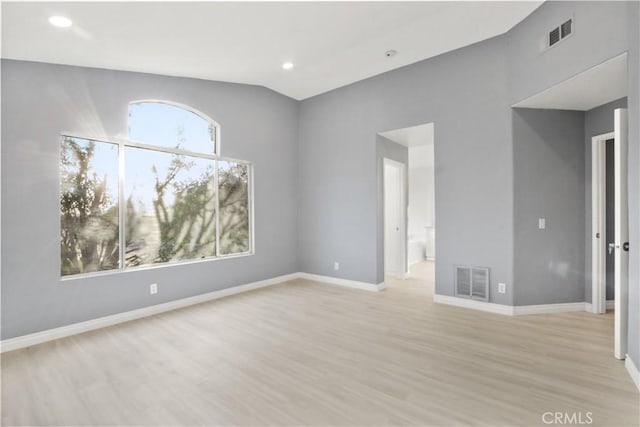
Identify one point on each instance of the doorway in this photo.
(410, 152)
(610, 226)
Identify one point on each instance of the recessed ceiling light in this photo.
(287, 65)
(60, 21)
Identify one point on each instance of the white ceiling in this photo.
(599, 85)
(413, 136)
(332, 44)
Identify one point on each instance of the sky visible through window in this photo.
(167, 125)
(163, 125)
(105, 163)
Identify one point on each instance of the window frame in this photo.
(122, 144)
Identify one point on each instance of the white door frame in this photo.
(598, 222)
(621, 238)
(403, 216)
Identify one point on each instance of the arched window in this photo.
(164, 195)
(172, 125)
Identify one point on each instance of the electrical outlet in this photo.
(502, 288)
(153, 288)
(336, 265)
(542, 223)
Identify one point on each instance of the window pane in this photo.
(88, 206)
(170, 126)
(234, 207)
(170, 207)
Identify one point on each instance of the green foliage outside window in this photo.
(88, 208)
(172, 208)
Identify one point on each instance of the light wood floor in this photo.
(304, 353)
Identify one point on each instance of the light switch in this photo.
(542, 223)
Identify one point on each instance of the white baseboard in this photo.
(548, 308)
(474, 304)
(518, 310)
(633, 371)
(114, 319)
(343, 282)
(610, 305)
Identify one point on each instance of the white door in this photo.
(394, 218)
(621, 239)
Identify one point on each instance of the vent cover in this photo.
(472, 282)
(554, 36)
(566, 28)
(463, 281)
(559, 33)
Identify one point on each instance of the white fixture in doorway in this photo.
(395, 256)
(620, 241)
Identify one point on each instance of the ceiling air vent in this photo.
(472, 282)
(560, 33)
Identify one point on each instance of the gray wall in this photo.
(465, 94)
(394, 151)
(39, 101)
(545, 164)
(548, 158)
(600, 34)
(596, 122)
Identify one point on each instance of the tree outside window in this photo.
(175, 199)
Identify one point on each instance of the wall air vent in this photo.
(472, 282)
(560, 33)
(566, 29)
(554, 36)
